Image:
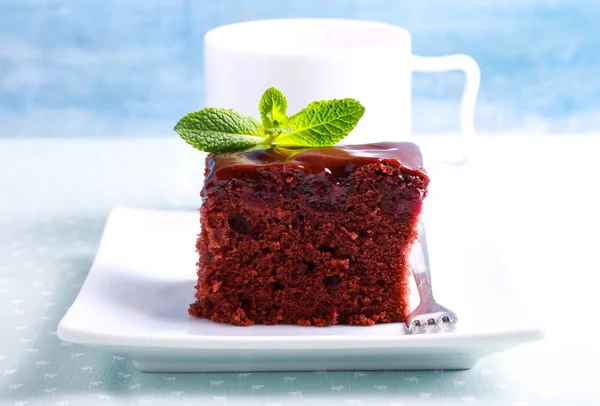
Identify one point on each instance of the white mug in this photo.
(320, 59)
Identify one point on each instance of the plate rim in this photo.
(508, 338)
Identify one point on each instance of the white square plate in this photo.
(134, 302)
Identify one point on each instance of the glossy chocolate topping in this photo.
(338, 161)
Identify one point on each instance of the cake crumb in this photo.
(386, 169)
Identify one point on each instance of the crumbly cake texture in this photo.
(283, 244)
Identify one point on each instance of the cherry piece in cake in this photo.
(309, 236)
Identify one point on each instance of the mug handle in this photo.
(467, 104)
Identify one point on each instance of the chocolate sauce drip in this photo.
(340, 162)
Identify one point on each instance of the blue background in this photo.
(113, 68)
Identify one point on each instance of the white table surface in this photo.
(533, 198)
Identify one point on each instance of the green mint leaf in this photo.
(220, 130)
(322, 124)
(273, 106)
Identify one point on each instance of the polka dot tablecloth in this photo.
(55, 196)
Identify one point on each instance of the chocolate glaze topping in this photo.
(338, 161)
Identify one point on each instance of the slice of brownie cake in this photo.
(309, 236)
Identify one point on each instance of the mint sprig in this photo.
(320, 124)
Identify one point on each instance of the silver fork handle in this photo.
(419, 260)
